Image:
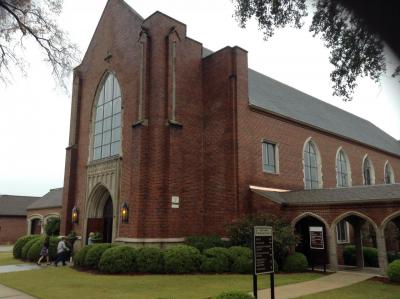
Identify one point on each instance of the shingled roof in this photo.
(279, 99)
(331, 196)
(52, 199)
(14, 205)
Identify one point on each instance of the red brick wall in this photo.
(11, 228)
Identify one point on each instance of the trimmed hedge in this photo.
(94, 253)
(394, 271)
(118, 259)
(79, 257)
(296, 262)
(241, 259)
(182, 259)
(370, 256)
(234, 295)
(150, 260)
(204, 242)
(215, 260)
(34, 252)
(27, 246)
(20, 243)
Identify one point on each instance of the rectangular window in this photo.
(269, 157)
(342, 230)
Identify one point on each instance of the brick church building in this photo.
(168, 139)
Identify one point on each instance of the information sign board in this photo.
(317, 237)
(263, 250)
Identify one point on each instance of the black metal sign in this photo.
(263, 250)
(317, 237)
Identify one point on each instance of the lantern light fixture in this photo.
(125, 213)
(75, 215)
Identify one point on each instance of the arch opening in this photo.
(100, 214)
(314, 248)
(391, 227)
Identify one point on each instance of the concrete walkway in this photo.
(17, 268)
(325, 283)
(6, 248)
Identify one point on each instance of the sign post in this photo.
(263, 256)
(317, 241)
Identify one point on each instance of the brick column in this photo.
(332, 247)
(382, 254)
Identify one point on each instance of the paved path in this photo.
(17, 268)
(6, 248)
(325, 283)
(9, 293)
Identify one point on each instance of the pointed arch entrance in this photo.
(100, 214)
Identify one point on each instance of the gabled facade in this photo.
(169, 140)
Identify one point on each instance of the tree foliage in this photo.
(34, 19)
(355, 50)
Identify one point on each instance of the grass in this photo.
(370, 289)
(6, 258)
(65, 283)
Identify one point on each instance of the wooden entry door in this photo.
(95, 225)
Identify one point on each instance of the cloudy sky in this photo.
(34, 113)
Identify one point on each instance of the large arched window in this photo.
(312, 166)
(107, 123)
(343, 176)
(368, 172)
(389, 176)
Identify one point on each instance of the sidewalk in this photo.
(325, 283)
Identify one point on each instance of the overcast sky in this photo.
(34, 114)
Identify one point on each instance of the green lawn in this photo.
(6, 258)
(370, 289)
(64, 283)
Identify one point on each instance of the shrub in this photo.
(34, 252)
(241, 259)
(394, 271)
(296, 262)
(215, 260)
(204, 242)
(27, 246)
(94, 253)
(370, 256)
(20, 243)
(52, 227)
(79, 257)
(53, 247)
(150, 260)
(240, 234)
(181, 259)
(234, 295)
(118, 259)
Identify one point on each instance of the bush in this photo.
(34, 252)
(182, 259)
(215, 260)
(53, 248)
(119, 259)
(79, 257)
(27, 246)
(394, 271)
(94, 253)
(240, 234)
(20, 243)
(150, 260)
(296, 262)
(370, 256)
(204, 242)
(52, 227)
(241, 259)
(234, 295)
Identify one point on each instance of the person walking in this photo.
(62, 250)
(44, 253)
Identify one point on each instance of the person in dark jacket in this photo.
(44, 252)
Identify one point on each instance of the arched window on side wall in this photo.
(389, 176)
(343, 175)
(368, 172)
(312, 166)
(107, 123)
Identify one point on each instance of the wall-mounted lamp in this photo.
(125, 213)
(75, 215)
